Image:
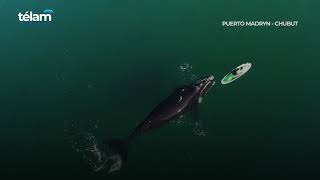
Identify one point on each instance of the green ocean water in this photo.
(101, 66)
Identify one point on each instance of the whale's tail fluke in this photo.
(118, 146)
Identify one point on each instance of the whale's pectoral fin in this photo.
(195, 112)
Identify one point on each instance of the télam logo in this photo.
(30, 16)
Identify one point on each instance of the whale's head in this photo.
(204, 84)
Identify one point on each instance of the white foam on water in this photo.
(179, 121)
(116, 165)
(185, 66)
(200, 130)
(98, 157)
(186, 71)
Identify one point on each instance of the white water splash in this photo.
(197, 127)
(200, 130)
(186, 71)
(116, 163)
(185, 67)
(98, 157)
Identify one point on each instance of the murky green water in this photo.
(100, 67)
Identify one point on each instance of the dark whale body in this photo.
(179, 102)
(182, 100)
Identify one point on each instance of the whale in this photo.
(182, 100)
